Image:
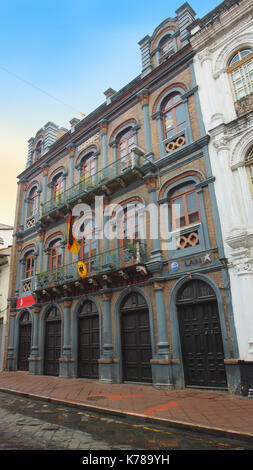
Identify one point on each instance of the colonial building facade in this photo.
(223, 42)
(152, 301)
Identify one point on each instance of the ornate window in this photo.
(88, 169)
(125, 143)
(249, 165)
(33, 202)
(130, 230)
(184, 205)
(173, 115)
(58, 187)
(28, 271)
(166, 46)
(240, 69)
(55, 255)
(89, 249)
(38, 150)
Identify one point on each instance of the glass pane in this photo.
(191, 200)
(194, 217)
(168, 121)
(178, 207)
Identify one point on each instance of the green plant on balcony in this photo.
(42, 278)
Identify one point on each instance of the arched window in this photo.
(33, 202)
(55, 255)
(131, 232)
(88, 250)
(184, 206)
(249, 165)
(38, 150)
(28, 271)
(29, 265)
(88, 169)
(166, 45)
(174, 119)
(58, 186)
(240, 69)
(125, 142)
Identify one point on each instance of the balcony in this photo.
(108, 180)
(110, 268)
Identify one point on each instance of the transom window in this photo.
(184, 204)
(240, 69)
(173, 115)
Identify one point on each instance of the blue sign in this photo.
(174, 266)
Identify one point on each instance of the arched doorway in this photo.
(201, 338)
(88, 341)
(135, 339)
(25, 333)
(52, 342)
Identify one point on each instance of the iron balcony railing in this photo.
(120, 168)
(100, 263)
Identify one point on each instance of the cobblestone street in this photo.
(27, 424)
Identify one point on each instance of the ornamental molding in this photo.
(232, 44)
(239, 242)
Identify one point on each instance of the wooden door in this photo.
(136, 341)
(25, 332)
(88, 341)
(52, 343)
(201, 338)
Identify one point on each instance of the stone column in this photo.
(158, 117)
(10, 354)
(106, 362)
(71, 152)
(143, 96)
(66, 361)
(18, 270)
(34, 359)
(103, 133)
(22, 215)
(41, 249)
(156, 253)
(44, 190)
(162, 363)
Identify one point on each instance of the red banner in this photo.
(25, 301)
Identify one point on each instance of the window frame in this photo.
(55, 253)
(239, 65)
(187, 213)
(172, 109)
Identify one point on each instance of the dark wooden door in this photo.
(136, 345)
(25, 331)
(88, 346)
(201, 338)
(52, 343)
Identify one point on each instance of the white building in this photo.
(5, 253)
(223, 63)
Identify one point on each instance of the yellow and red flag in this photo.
(73, 244)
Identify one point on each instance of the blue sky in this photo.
(57, 59)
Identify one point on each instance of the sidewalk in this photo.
(206, 411)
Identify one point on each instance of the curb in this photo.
(214, 431)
